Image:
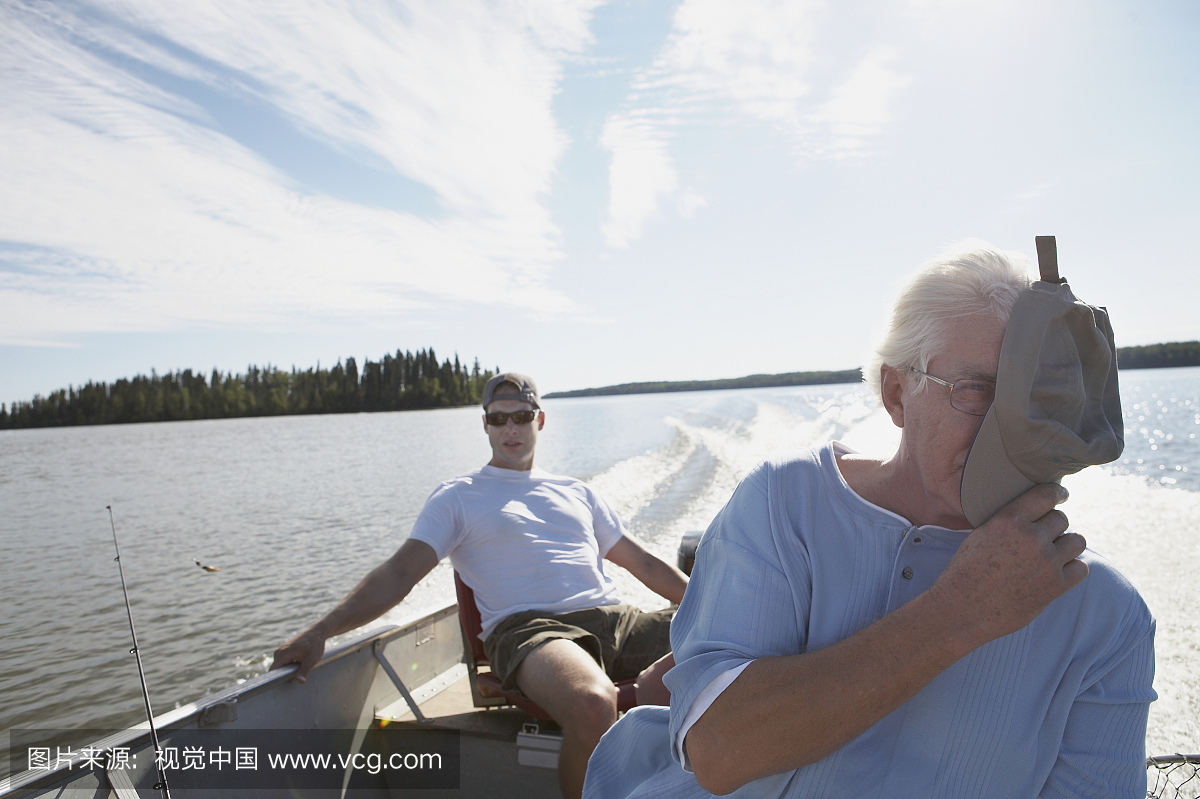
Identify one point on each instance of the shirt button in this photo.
(907, 573)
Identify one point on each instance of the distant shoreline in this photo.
(750, 381)
(1159, 356)
(405, 381)
(1151, 356)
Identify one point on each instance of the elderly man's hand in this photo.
(1011, 568)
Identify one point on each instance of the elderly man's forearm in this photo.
(783, 713)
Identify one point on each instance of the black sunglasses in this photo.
(498, 419)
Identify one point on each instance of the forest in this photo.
(400, 382)
(750, 381)
(404, 381)
(1155, 356)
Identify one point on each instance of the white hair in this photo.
(969, 278)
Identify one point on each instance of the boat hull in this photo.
(350, 709)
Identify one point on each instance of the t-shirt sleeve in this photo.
(606, 524)
(1103, 749)
(440, 523)
(739, 605)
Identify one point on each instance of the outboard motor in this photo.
(687, 551)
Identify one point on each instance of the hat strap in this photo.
(1047, 252)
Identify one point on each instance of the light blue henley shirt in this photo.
(797, 561)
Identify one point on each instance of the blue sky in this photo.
(590, 192)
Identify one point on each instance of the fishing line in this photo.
(158, 761)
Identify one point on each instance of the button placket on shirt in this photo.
(922, 555)
(907, 574)
(908, 562)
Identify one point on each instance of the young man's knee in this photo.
(594, 707)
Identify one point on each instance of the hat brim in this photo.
(989, 480)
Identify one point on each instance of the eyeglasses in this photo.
(498, 419)
(969, 395)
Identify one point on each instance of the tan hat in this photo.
(1057, 407)
(527, 390)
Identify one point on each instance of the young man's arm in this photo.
(379, 592)
(657, 575)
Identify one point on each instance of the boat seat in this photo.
(485, 686)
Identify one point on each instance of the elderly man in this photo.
(847, 632)
(530, 544)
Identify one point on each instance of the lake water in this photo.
(295, 510)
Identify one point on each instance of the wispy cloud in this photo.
(770, 62)
(757, 55)
(125, 207)
(639, 174)
(859, 106)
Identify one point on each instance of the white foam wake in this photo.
(1152, 534)
(723, 455)
(632, 484)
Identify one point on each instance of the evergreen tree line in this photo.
(750, 381)
(1154, 356)
(405, 381)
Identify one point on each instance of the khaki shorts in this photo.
(622, 639)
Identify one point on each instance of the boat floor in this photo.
(488, 740)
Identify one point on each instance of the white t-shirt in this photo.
(523, 540)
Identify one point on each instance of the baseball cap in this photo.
(1057, 408)
(526, 389)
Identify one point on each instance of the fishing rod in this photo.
(158, 762)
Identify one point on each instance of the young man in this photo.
(531, 545)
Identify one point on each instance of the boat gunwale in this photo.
(179, 717)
